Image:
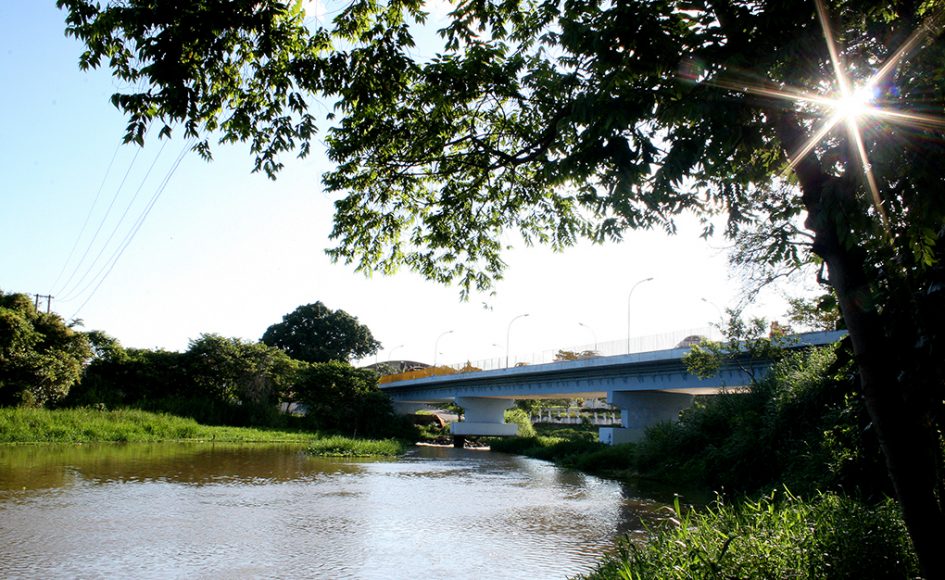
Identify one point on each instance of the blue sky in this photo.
(229, 252)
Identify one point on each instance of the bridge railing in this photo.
(648, 343)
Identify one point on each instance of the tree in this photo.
(41, 358)
(588, 118)
(339, 397)
(236, 372)
(313, 333)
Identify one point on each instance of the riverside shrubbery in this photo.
(802, 428)
(777, 536)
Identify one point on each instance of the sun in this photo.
(855, 105)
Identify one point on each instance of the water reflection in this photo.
(172, 510)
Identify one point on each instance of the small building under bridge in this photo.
(648, 387)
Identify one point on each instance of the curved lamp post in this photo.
(508, 335)
(594, 334)
(390, 354)
(436, 345)
(716, 306)
(630, 295)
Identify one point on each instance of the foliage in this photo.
(520, 418)
(803, 425)
(829, 536)
(41, 358)
(237, 373)
(313, 333)
(87, 425)
(129, 377)
(340, 398)
(745, 344)
(337, 446)
(217, 380)
(572, 446)
(820, 313)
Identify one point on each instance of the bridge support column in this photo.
(640, 410)
(483, 416)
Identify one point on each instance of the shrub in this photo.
(803, 426)
(520, 417)
(830, 536)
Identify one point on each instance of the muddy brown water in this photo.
(252, 511)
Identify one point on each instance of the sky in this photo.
(225, 251)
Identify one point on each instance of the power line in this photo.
(100, 225)
(88, 216)
(140, 221)
(72, 293)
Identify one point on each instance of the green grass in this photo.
(778, 536)
(338, 446)
(573, 446)
(26, 425)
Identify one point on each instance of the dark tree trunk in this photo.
(904, 429)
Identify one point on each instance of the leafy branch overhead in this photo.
(554, 120)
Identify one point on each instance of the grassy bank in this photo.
(572, 446)
(778, 536)
(26, 425)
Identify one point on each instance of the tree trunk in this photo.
(905, 433)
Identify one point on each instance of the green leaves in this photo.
(41, 358)
(209, 66)
(553, 120)
(314, 333)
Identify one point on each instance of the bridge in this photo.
(648, 387)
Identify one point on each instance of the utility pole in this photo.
(48, 301)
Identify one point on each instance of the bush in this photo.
(803, 426)
(520, 418)
(342, 399)
(830, 536)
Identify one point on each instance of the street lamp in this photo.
(594, 334)
(714, 305)
(436, 345)
(630, 295)
(508, 335)
(390, 354)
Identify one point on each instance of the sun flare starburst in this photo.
(848, 104)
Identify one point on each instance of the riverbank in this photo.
(20, 425)
(776, 535)
(571, 446)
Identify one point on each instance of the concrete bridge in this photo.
(648, 387)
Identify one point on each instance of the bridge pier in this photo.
(483, 416)
(640, 410)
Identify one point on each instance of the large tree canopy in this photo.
(315, 333)
(569, 118)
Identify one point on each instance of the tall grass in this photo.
(26, 425)
(338, 446)
(775, 537)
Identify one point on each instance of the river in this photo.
(227, 511)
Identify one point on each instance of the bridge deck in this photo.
(662, 370)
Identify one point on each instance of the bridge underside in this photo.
(639, 410)
(648, 388)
